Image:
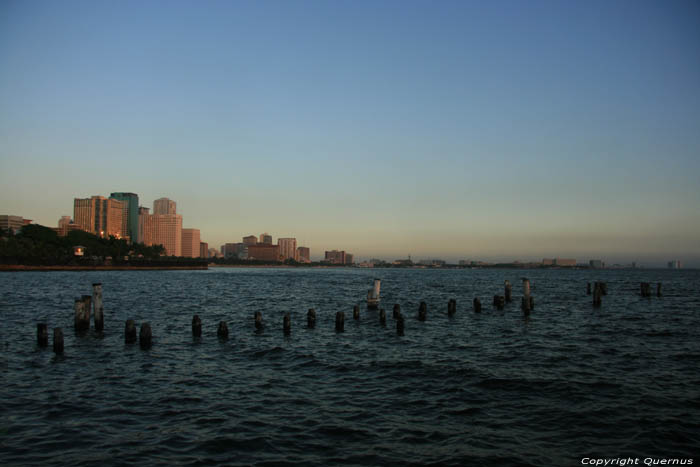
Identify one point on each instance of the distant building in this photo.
(130, 215)
(162, 229)
(303, 254)
(264, 252)
(335, 257)
(164, 206)
(11, 222)
(288, 248)
(250, 240)
(675, 264)
(203, 250)
(214, 253)
(235, 250)
(431, 262)
(596, 264)
(190, 243)
(349, 258)
(100, 216)
(66, 225)
(265, 238)
(561, 262)
(548, 262)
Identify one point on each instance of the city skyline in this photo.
(454, 130)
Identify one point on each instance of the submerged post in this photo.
(356, 312)
(130, 331)
(588, 289)
(646, 289)
(399, 326)
(98, 309)
(422, 311)
(145, 336)
(196, 326)
(499, 301)
(222, 330)
(82, 315)
(508, 292)
(287, 324)
(532, 302)
(597, 292)
(658, 289)
(397, 311)
(42, 335)
(311, 318)
(258, 321)
(604, 288)
(58, 340)
(451, 307)
(339, 321)
(526, 305)
(477, 305)
(382, 317)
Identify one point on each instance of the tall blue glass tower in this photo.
(132, 224)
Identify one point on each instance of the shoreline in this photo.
(22, 267)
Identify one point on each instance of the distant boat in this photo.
(373, 295)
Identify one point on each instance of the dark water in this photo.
(476, 389)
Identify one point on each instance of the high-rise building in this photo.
(66, 225)
(203, 250)
(265, 238)
(11, 222)
(349, 258)
(235, 250)
(335, 257)
(214, 253)
(264, 252)
(303, 254)
(164, 206)
(130, 216)
(162, 229)
(100, 216)
(250, 240)
(190, 243)
(675, 264)
(288, 248)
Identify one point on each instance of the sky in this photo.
(489, 131)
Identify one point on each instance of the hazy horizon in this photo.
(453, 130)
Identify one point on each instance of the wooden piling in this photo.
(526, 305)
(499, 301)
(645, 289)
(597, 293)
(399, 325)
(145, 336)
(526, 287)
(382, 317)
(130, 331)
(42, 335)
(477, 305)
(82, 315)
(58, 340)
(196, 326)
(356, 312)
(311, 318)
(339, 321)
(396, 312)
(603, 288)
(222, 330)
(451, 307)
(422, 311)
(287, 324)
(532, 302)
(98, 309)
(658, 289)
(258, 321)
(588, 289)
(508, 292)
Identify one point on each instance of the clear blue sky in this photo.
(475, 130)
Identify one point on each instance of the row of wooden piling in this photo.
(93, 303)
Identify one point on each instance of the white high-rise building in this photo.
(288, 248)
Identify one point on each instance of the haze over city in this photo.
(498, 131)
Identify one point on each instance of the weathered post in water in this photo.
(499, 301)
(451, 307)
(526, 305)
(58, 340)
(477, 305)
(532, 302)
(422, 311)
(399, 325)
(339, 321)
(526, 287)
(311, 318)
(130, 331)
(356, 312)
(82, 315)
(588, 289)
(646, 289)
(508, 292)
(397, 311)
(597, 293)
(658, 289)
(258, 321)
(222, 330)
(145, 336)
(196, 326)
(98, 309)
(287, 324)
(42, 335)
(382, 317)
